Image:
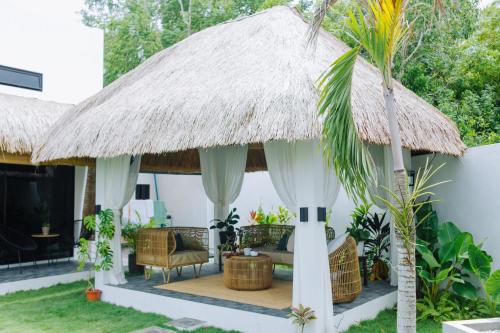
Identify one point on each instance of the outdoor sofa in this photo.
(265, 239)
(172, 247)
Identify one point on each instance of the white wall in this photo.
(186, 201)
(472, 198)
(48, 37)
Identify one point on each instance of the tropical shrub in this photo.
(370, 229)
(448, 269)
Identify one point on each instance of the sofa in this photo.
(161, 247)
(265, 239)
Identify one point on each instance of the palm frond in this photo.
(317, 20)
(342, 145)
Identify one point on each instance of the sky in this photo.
(71, 8)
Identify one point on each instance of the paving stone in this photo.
(187, 324)
(154, 329)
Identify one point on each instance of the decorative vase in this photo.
(93, 295)
(133, 268)
(45, 231)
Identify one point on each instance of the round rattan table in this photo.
(248, 273)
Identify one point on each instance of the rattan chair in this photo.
(157, 247)
(344, 272)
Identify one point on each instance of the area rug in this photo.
(279, 296)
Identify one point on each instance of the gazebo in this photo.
(240, 96)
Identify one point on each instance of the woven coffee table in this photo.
(248, 273)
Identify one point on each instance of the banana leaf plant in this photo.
(450, 266)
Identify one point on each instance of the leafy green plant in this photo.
(130, 230)
(376, 246)
(357, 228)
(446, 269)
(480, 264)
(302, 316)
(103, 259)
(226, 227)
(284, 215)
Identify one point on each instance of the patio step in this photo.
(187, 324)
(154, 329)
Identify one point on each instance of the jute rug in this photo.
(279, 296)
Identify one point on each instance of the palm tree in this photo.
(380, 32)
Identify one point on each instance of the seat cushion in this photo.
(188, 257)
(282, 243)
(277, 256)
(336, 243)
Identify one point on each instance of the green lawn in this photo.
(386, 323)
(63, 308)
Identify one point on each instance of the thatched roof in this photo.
(24, 121)
(250, 80)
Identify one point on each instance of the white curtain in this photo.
(222, 172)
(115, 183)
(302, 178)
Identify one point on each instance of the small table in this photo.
(248, 273)
(48, 238)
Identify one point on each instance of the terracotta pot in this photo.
(93, 295)
(45, 230)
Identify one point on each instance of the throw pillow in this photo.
(290, 244)
(334, 244)
(179, 243)
(283, 243)
(192, 244)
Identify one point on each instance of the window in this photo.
(21, 78)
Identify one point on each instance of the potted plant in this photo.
(130, 232)
(227, 233)
(103, 260)
(302, 316)
(42, 210)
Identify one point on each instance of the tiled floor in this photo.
(14, 274)
(370, 292)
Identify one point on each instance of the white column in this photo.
(115, 183)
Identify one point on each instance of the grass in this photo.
(385, 322)
(64, 308)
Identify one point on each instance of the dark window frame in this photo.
(39, 76)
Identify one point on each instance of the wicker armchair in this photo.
(344, 272)
(157, 247)
(264, 238)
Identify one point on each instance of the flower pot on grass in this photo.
(93, 295)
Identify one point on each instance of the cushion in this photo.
(290, 244)
(179, 244)
(191, 243)
(334, 244)
(188, 257)
(283, 243)
(277, 256)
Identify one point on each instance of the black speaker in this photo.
(142, 192)
(321, 214)
(304, 214)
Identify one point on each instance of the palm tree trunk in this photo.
(406, 315)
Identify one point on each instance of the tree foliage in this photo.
(451, 59)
